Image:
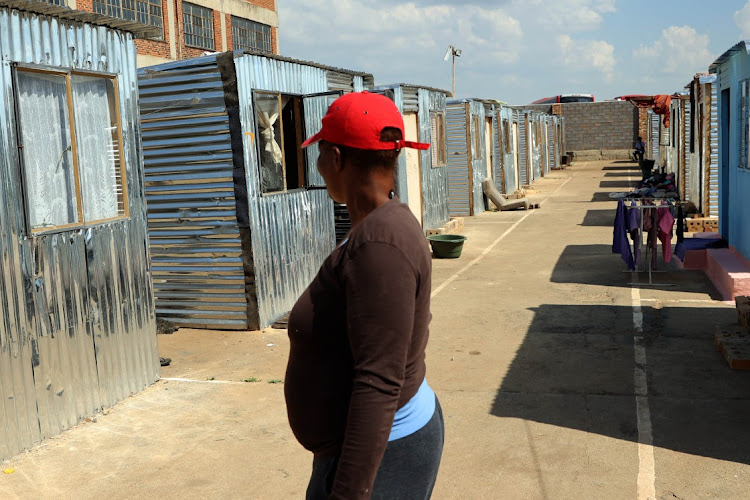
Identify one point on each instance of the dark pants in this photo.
(408, 470)
(638, 155)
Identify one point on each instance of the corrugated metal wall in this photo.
(510, 179)
(435, 210)
(459, 156)
(203, 284)
(654, 138)
(712, 142)
(195, 243)
(479, 164)
(523, 148)
(552, 142)
(536, 144)
(78, 331)
(292, 233)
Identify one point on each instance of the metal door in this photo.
(523, 171)
(459, 158)
(712, 141)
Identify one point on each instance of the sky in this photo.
(518, 51)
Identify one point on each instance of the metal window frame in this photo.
(253, 30)
(438, 143)
(195, 12)
(68, 73)
(147, 15)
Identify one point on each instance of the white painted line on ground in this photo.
(493, 244)
(646, 467)
(178, 379)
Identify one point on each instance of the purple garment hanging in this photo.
(620, 242)
(634, 228)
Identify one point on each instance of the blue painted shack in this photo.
(77, 330)
(239, 218)
(732, 70)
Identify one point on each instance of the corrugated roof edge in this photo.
(743, 44)
(477, 99)
(39, 7)
(197, 61)
(411, 86)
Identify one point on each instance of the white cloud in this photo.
(580, 56)
(742, 20)
(681, 51)
(399, 41)
(569, 15)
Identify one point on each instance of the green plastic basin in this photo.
(447, 246)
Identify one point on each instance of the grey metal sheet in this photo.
(459, 156)
(713, 155)
(78, 326)
(435, 210)
(523, 150)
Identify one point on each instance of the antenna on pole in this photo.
(454, 52)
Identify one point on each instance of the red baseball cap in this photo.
(357, 119)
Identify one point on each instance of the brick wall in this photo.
(606, 125)
(161, 48)
(643, 123)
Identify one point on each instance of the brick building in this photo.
(191, 28)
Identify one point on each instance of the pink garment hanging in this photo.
(665, 223)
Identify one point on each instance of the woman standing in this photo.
(355, 383)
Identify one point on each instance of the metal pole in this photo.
(453, 51)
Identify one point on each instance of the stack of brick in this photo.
(734, 342)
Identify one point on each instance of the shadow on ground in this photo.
(619, 184)
(632, 167)
(597, 265)
(599, 218)
(575, 370)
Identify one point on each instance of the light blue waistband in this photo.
(415, 414)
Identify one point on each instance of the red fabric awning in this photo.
(659, 103)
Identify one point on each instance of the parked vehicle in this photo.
(563, 98)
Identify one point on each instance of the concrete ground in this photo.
(558, 379)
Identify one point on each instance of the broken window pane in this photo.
(271, 156)
(97, 140)
(44, 125)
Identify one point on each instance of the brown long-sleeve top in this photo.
(357, 344)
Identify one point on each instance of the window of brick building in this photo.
(199, 26)
(55, 2)
(249, 35)
(143, 11)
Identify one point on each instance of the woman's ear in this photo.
(338, 158)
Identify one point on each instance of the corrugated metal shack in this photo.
(678, 155)
(732, 70)
(506, 169)
(697, 152)
(422, 176)
(239, 218)
(78, 329)
(470, 134)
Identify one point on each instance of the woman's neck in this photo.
(367, 194)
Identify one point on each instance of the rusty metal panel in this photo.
(78, 331)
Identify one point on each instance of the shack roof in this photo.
(367, 77)
(738, 47)
(413, 86)
(138, 30)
